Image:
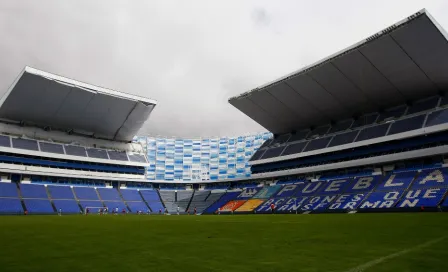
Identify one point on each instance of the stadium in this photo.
(349, 176)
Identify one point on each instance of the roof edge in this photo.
(98, 89)
(344, 51)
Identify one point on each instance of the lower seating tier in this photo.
(137, 206)
(67, 206)
(10, 206)
(38, 206)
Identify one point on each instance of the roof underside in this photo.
(43, 99)
(404, 62)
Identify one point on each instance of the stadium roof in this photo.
(44, 99)
(404, 62)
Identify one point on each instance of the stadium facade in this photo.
(363, 130)
(195, 160)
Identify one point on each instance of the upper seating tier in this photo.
(86, 193)
(423, 113)
(109, 194)
(8, 189)
(60, 192)
(73, 150)
(33, 191)
(130, 195)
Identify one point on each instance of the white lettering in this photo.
(350, 205)
(287, 188)
(413, 194)
(387, 204)
(390, 182)
(311, 187)
(363, 183)
(435, 175)
(431, 193)
(334, 206)
(368, 204)
(335, 185)
(408, 203)
(342, 198)
(392, 196)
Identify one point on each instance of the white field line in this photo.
(394, 255)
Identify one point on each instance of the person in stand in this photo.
(272, 208)
(60, 212)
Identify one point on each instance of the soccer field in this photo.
(327, 242)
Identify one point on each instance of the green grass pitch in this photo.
(326, 242)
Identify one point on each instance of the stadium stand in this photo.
(60, 192)
(169, 199)
(66, 206)
(213, 208)
(199, 200)
(91, 203)
(38, 206)
(87, 193)
(130, 195)
(33, 191)
(343, 141)
(8, 189)
(152, 199)
(137, 206)
(134, 200)
(10, 206)
(110, 194)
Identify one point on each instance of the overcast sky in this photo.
(191, 56)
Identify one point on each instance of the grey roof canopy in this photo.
(44, 99)
(406, 61)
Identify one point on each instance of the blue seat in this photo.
(87, 193)
(90, 203)
(381, 200)
(152, 198)
(60, 192)
(130, 195)
(38, 206)
(33, 191)
(222, 201)
(422, 197)
(111, 205)
(67, 206)
(109, 194)
(11, 206)
(137, 206)
(8, 190)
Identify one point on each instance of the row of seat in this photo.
(47, 199)
(297, 143)
(37, 200)
(403, 190)
(73, 150)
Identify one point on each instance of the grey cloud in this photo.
(191, 56)
(261, 17)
